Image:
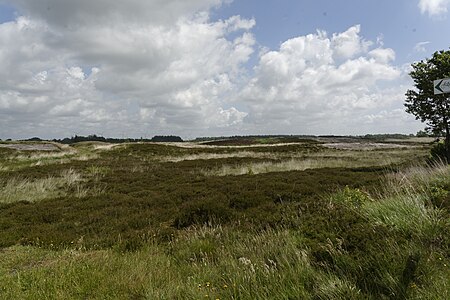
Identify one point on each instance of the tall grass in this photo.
(204, 263)
(21, 161)
(406, 213)
(294, 165)
(413, 261)
(419, 178)
(32, 190)
(217, 263)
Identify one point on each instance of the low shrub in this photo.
(352, 197)
(205, 211)
(439, 152)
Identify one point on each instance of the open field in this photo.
(278, 218)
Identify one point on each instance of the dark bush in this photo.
(438, 151)
(245, 200)
(205, 211)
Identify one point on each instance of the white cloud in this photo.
(434, 7)
(228, 117)
(317, 84)
(122, 67)
(349, 43)
(382, 55)
(420, 47)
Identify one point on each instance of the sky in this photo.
(139, 68)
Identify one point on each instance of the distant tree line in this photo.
(96, 138)
(166, 138)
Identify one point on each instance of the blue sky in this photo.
(7, 13)
(399, 22)
(212, 67)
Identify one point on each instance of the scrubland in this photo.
(284, 219)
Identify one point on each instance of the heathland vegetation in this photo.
(247, 218)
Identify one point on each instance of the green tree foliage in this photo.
(434, 110)
(422, 133)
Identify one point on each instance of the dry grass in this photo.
(267, 167)
(106, 147)
(24, 189)
(417, 179)
(43, 155)
(19, 160)
(16, 189)
(207, 156)
(344, 160)
(192, 145)
(361, 157)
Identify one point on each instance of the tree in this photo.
(434, 110)
(422, 133)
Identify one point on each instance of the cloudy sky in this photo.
(137, 68)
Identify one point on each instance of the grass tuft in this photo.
(33, 190)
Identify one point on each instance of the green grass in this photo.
(144, 221)
(224, 263)
(405, 213)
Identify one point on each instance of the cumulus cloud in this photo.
(122, 66)
(382, 55)
(141, 67)
(349, 43)
(316, 83)
(434, 7)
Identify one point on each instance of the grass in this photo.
(143, 221)
(15, 189)
(247, 267)
(220, 263)
(405, 213)
(299, 161)
(11, 160)
(33, 190)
